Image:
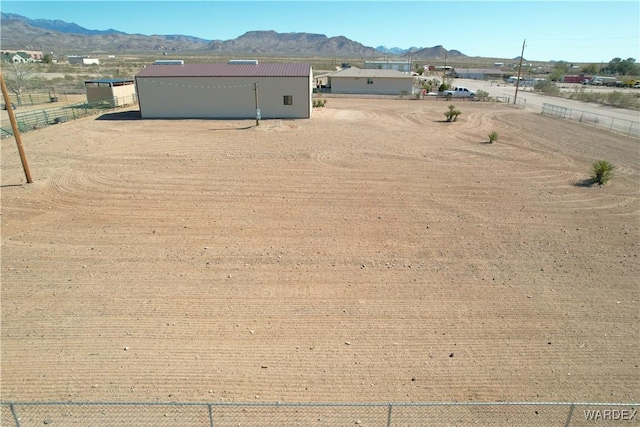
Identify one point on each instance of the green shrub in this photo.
(602, 171)
(319, 103)
(482, 95)
(546, 86)
(493, 136)
(452, 114)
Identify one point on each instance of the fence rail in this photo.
(35, 98)
(36, 119)
(600, 121)
(157, 414)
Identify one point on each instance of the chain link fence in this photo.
(37, 119)
(158, 414)
(611, 124)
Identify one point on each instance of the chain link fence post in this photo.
(571, 408)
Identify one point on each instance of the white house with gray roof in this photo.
(374, 82)
(225, 90)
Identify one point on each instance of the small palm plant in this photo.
(493, 136)
(602, 171)
(452, 114)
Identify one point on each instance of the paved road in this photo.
(534, 101)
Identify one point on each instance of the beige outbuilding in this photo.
(234, 90)
(117, 92)
(374, 82)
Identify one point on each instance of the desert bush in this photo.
(615, 98)
(622, 100)
(546, 86)
(602, 171)
(493, 136)
(319, 103)
(482, 95)
(452, 114)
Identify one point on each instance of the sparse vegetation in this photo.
(493, 136)
(615, 98)
(602, 172)
(452, 114)
(482, 95)
(17, 77)
(319, 103)
(546, 86)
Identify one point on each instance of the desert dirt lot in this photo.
(372, 253)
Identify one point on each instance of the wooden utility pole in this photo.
(14, 126)
(444, 72)
(519, 71)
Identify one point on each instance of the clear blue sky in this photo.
(573, 31)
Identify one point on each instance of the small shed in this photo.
(374, 82)
(236, 90)
(118, 92)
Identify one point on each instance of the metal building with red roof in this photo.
(239, 89)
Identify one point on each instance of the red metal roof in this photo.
(227, 70)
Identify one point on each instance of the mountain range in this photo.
(64, 38)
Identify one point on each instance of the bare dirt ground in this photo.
(373, 253)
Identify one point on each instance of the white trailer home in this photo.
(226, 90)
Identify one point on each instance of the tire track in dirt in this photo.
(375, 256)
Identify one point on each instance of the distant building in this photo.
(83, 60)
(403, 66)
(479, 73)
(375, 82)
(21, 55)
(226, 91)
(445, 69)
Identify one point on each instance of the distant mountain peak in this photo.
(57, 25)
(20, 32)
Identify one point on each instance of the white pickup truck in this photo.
(459, 92)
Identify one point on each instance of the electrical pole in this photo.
(255, 88)
(14, 127)
(444, 72)
(519, 71)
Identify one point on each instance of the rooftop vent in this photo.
(169, 62)
(243, 61)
